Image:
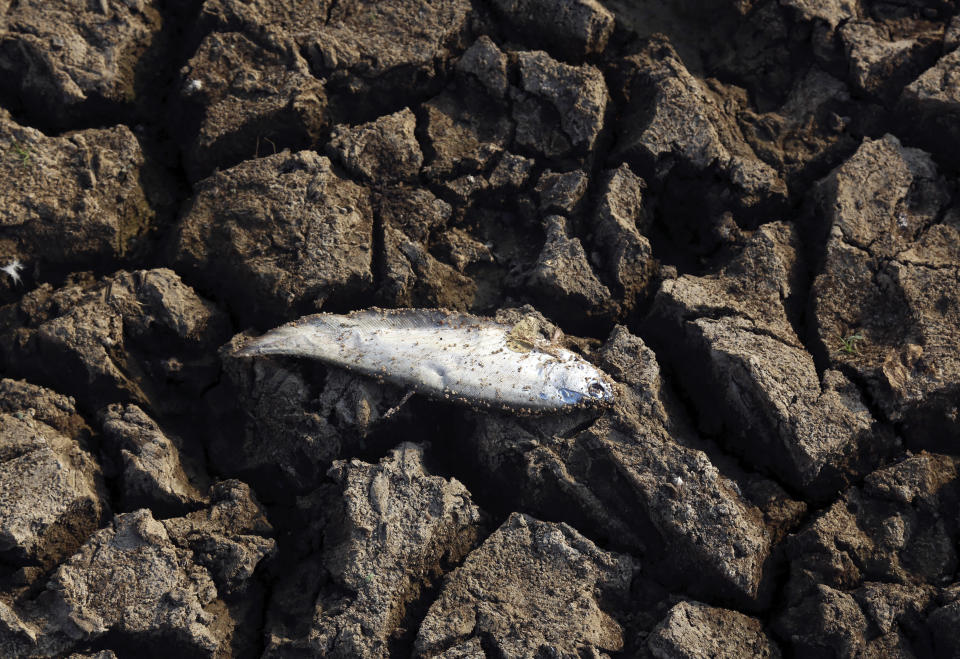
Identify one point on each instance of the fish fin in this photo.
(303, 337)
(316, 335)
(524, 336)
(376, 319)
(396, 408)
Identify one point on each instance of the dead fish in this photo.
(446, 355)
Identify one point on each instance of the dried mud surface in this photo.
(746, 212)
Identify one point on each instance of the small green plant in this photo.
(851, 344)
(22, 152)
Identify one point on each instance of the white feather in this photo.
(13, 270)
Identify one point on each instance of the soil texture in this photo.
(746, 212)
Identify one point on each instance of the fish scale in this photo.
(444, 354)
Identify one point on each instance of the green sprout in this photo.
(22, 152)
(851, 344)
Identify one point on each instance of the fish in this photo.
(445, 355)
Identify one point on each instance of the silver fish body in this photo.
(445, 355)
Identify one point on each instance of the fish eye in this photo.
(596, 390)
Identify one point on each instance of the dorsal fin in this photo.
(376, 318)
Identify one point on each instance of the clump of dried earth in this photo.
(746, 212)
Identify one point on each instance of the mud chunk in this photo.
(944, 624)
(621, 200)
(129, 578)
(875, 560)
(701, 514)
(140, 336)
(468, 125)
(951, 35)
(373, 42)
(375, 52)
(563, 276)
(562, 192)
(64, 57)
(831, 14)
(370, 53)
(17, 636)
(746, 367)
(239, 101)
(229, 538)
(892, 608)
(465, 132)
(549, 90)
(883, 57)
(78, 197)
(462, 250)
(415, 278)
(763, 46)
(463, 189)
(151, 580)
(262, 20)
(52, 492)
(411, 274)
(278, 236)
(576, 27)
(807, 133)
(692, 629)
(617, 222)
(381, 151)
(49, 407)
(470, 649)
(916, 479)
(888, 532)
(762, 280)
(773, 393)
(828, 622)
(634, 478)
(511, 172)
(887, 300)
(931, 103)
(153, 474)
(811, 95)
(673, 117)
(821, 20)
(391, 530)
(415, 211)
(532, 585)
(487, 63)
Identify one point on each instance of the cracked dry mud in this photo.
(746, 212)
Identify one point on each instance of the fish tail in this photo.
(279, 341)
(295, 339)
(269, 344)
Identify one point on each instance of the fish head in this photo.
(578, 383)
